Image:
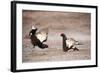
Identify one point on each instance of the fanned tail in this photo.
(79, 43)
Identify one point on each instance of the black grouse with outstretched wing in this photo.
(37, 38)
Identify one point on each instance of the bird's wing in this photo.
(76, 42)
(41, 36)
(69, 43)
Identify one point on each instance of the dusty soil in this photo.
(75, 25)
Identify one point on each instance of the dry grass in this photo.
(56, 55)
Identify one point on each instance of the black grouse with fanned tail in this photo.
(69, 43)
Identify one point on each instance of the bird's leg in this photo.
(65, 49)
(71, 47)
(75, 49)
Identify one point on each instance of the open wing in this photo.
(71, 42)
(42, 36)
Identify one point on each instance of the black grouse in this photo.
(37, 38)
(69, 43)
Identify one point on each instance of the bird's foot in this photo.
(76, 49)
(44, 46)
(66, 49)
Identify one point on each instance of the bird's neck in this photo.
(34, 31)
(64, 43)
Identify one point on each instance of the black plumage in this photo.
(69, 43)
(36, 39)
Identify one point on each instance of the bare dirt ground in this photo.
(75, 25)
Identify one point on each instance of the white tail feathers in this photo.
(71, 42)
(41, 36)
(33, 27)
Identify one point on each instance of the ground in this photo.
(74, 25)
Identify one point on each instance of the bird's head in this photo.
(33, 27)
(63, 35)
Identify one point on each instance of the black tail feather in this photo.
(42, 46)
